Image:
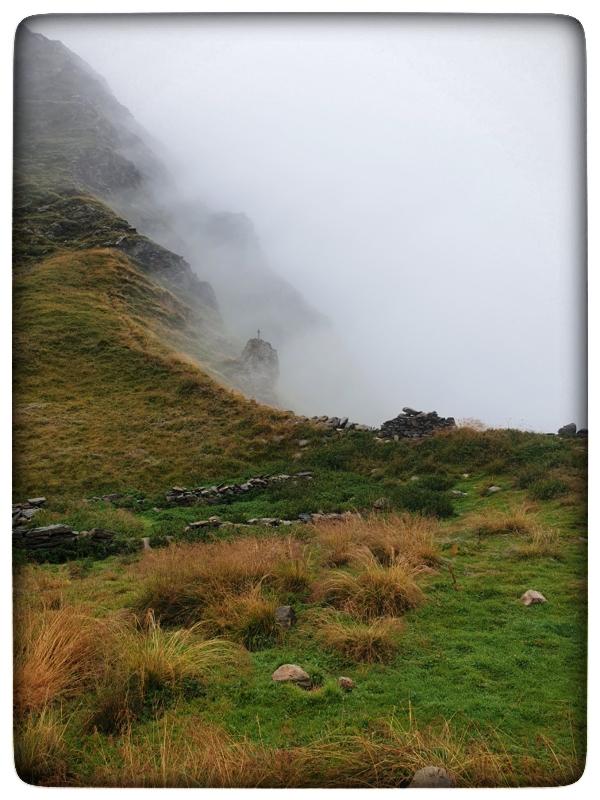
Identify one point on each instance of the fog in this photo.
(420, 180)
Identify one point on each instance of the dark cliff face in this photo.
(85, 176)
(79, 156)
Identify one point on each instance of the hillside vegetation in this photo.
(145, 642)
(101, 402)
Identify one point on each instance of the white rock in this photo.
(432, 778)
(531, 596)
(292, 673)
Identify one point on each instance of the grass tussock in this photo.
(371, 642)
(492, 522)
(372, 590)
(40, 748)
(180, 582)
(248, 619)
(58, 652)
(409, 537)
(540, 543)
(150, 665)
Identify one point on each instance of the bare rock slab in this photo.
(292, 673)
(432, 778)
(531, 596)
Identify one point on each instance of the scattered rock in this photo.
(432, 778)
(292, 673)
(180, 495)
(285, 616)
(303, 442)
(494, 489)
(36, 501)
(531, 597)
(458, 493)
(465, 475)
(146, 543)
(347, 684)
(568, 430)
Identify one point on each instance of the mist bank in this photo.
(417, 182)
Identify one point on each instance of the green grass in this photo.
(472, 653)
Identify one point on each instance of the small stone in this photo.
(466, 475)
(347, 684)
(146, 543)
(292, 673)
(458, 493)
(494, 489)
(432, 778)
(285, 616)
(303, 442)
(415, 478)
(381, 504)
(531, 597)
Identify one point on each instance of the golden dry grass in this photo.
(519, 519)
(389, 538)
(58, 652)
(178, 583)
(201, 755)
(539, 543)
(372, 590)
(40, 750)
(246, 618)
(371, 642)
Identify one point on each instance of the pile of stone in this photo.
(571, 430)
(270, 522)
(181, 496)
(413, 424)
(23, 513)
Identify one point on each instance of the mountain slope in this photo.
(72, 134)
(102, 403)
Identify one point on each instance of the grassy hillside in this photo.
(449, 667)
(103, 403)
(154, 668)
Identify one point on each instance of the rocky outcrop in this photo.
(48, 537)
(256, 371)
(181, 496)
(413, 424)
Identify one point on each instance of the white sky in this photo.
(419, 179)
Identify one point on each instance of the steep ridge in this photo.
(101, 403)
(73, 135)
(121, 356)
